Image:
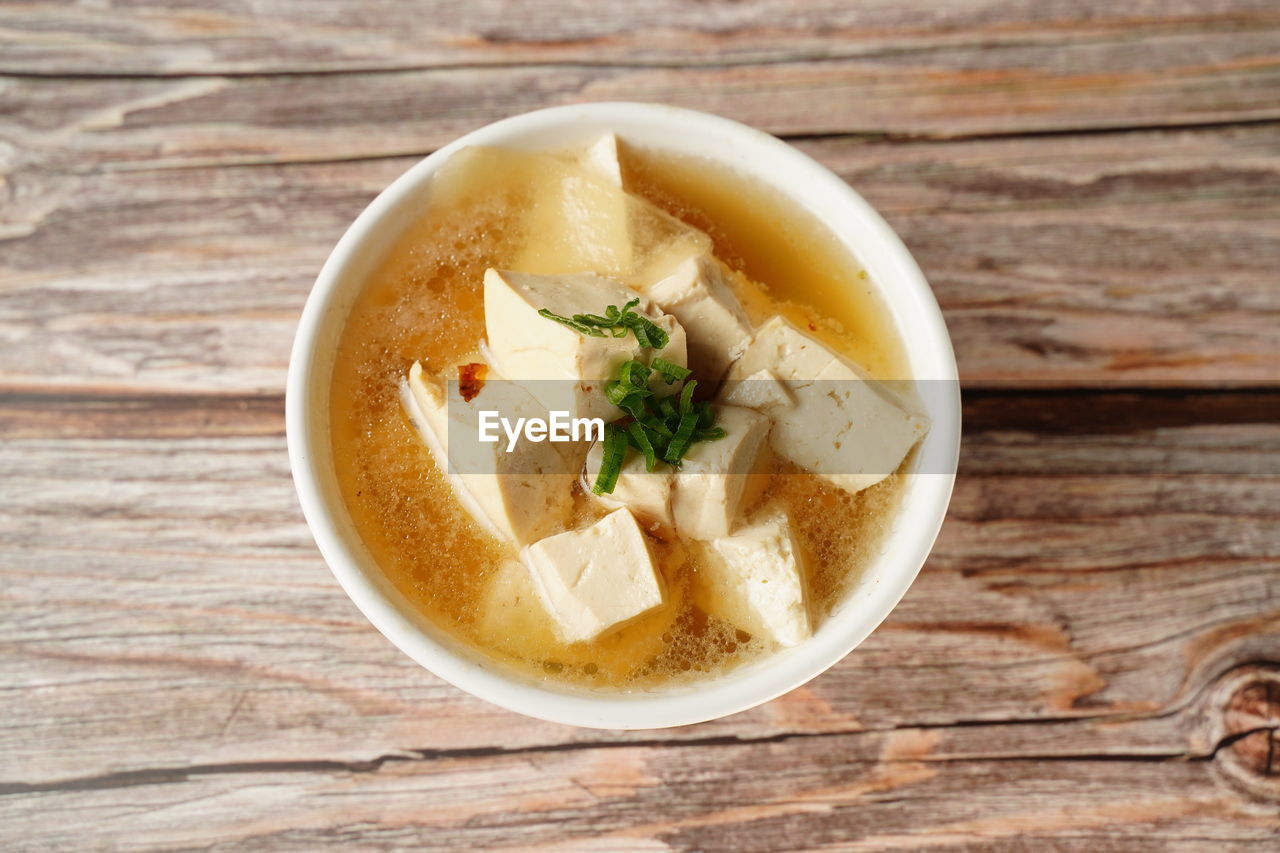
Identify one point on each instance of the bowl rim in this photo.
(744, 688)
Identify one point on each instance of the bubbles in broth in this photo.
(425, 303)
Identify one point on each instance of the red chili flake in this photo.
(812, 327)
(471, 379)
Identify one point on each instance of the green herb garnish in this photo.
(680, 442)
(662, 428)
(670, 371)
(615, 452)
(655, 425)
(640, 440)
(634, 374)
(633, 405)
(686, 399)
(572, 323)
(617, 321)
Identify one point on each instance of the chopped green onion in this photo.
(615, 451)
(635, 374)
(580, 328)
(643, 444)
(686, 398)
(642, 336)
(680, 442)
(617, 321)
(633, 405)
(655, 424)
(616, 392)
(646, 331)
(670, 371)
(663, 427)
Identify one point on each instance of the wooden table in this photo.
(1089, 661)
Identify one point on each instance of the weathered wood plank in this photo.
(882, 791)
(1132, 258)
(165, 606)
(1135, 258)
(1091, 658)
(288, 36)
(53, 415)
(1194, 78)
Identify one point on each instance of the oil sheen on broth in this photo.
(425, 302)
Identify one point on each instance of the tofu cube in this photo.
(756, 581)
(718, 480)
(779, 347)
(762, 391)
(577, 216)
(844, 426)
(646, 493)
(523, 495)
(596, 579)
(600, 158)
(581, 220)
(628, 235)
(564, 369)
(718, 330)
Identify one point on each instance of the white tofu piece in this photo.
(523, 495)
(844, 426)
(756, 581)
(578, 217)
(631, 236)
(596, 579)
(718, 480)
(600, 158)
(531, 348)
(513, 621)
(780, 347)
(762, 390)
(573, 218)
(646, 493)
(696, 294)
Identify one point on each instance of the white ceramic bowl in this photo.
(889, 266)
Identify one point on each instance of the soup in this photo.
(427, 304)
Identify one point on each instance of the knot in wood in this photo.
(1248, 731)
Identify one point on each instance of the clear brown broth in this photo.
(425, 302)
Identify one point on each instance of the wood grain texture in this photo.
(297, 36)
(1090, 660)
(169, 610)
(941, 92)
(877, 791)
(1134, 258)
